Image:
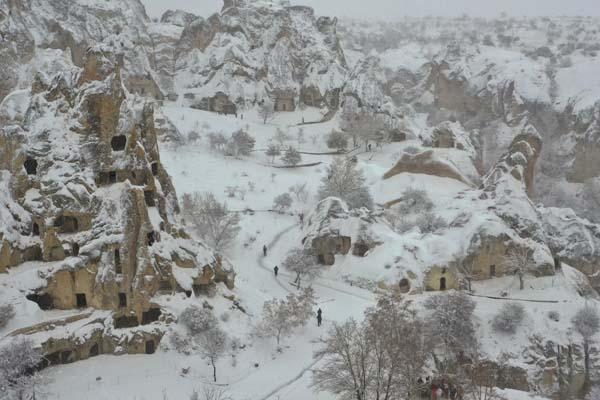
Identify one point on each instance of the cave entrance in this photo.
(151, 238)
(150, 316)
(492, 270)
(112, 177)
(118, 268)
(118, 143)
(404, 285)
(149, 198)
(126, 322)
(67, 224)
(154, 167)
(557, 263)
(35, 229)
(94, 350)
(150, 347)
(122, 300)
(44, 300)
(81, 300)
(65, 357)
(75, 249)
(442, 283)
(30, 165)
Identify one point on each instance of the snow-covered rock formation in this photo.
(89, 213)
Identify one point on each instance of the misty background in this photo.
(394, 9)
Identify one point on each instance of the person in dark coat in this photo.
(276, 270)
(319, 317)
(265, 250)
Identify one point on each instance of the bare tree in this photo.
(300, 191)
(414, 201)
(281, 137)
(282, 202)
(303, 264)
(429, 222)
(381, 358)
(520, 261)
(345, 181)
(7, 312)
(18, 362)
(280, 317)
(291, 157)
(587, 323)
(362, 125)
(273, 151)
(481, 381)
(450, 324)
(198, 319)
(211, 220)
(240, 144)
(468, 271)
(300, 137)
(509, 317)
(217, 141)
(337, 140)
(347, 369)
(266, 110)
(212, 344)
(213, 393)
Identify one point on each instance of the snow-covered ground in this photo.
(258, 371)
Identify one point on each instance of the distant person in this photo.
(265, 250)
(276, 270)
(319, 317)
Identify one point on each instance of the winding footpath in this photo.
(273, 243)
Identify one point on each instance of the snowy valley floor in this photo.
(259, 372)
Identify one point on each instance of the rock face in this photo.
(427, 163)
(586, 160)
(88, 200)
(573, 240)
(255, 50)
(28, 28)
(332, 228)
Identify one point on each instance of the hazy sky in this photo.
(398, 8)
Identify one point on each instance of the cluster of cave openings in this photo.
(118, 143)
(30, 165)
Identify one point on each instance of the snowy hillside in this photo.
(266, 203)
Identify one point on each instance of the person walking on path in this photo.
(265, 250)
(276, 270)
(319, 317)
